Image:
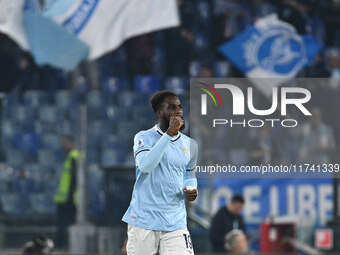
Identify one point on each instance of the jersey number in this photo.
(188, 242)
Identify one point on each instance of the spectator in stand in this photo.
(317, 69)
(140, 50)
(317, 142)
(179, 41)
(206, 71)
(264, 149)
(333, 63)
(295, 13)
(227, 218)
(230, 18)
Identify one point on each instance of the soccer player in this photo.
(165, 162)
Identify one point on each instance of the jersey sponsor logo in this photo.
(140, 144)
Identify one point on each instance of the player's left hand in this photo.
(190, 194)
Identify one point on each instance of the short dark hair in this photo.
(237, 198)
(158, 98)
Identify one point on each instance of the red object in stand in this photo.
(272, 235)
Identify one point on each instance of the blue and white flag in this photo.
(271, 49)
(49, 43)
(104, 24)
(64, 32)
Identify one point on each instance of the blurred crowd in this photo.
(166, 59)
(204, 26)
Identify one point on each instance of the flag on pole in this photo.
(271, 48)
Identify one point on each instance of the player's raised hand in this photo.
(190, 194)
(176, 122)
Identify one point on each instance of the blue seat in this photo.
(97, 177)
(50, 141)
(111, 142)
(28, 141)
(94, 102)
(177, 84)
(48, 114)
(221, 69)
(127, 128)
(70, 114)
(147, 84)
(22, 114)
(195, 68)
(81, 86)
(132, 99)
(18, 159)
(42, 203)
(9, 102)
(8, 131)
(23, 186)
(5, 186)
(65, 99)
(142, 116)
(35, 98)
(114, 113)
(98, 128)
(6, 173)
(94, 99)
(112, 85)
(48, 158)
(13, 204)
(9, 128)
(92, 155)
(50, 185)
(34, 171)
(43, 127)
(158, 61)
(66, 128)
(96, 191)
(111, 158)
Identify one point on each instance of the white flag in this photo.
(104, 24)
(66, 31)
(11, 22)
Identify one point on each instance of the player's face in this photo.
(171, 107)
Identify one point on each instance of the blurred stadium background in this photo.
(39, 104)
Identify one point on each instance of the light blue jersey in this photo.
(164, 166)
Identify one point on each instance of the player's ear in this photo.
(158, 114)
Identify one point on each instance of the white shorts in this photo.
(149, 242)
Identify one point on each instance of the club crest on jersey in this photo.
(185, 150)
(140, 143)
